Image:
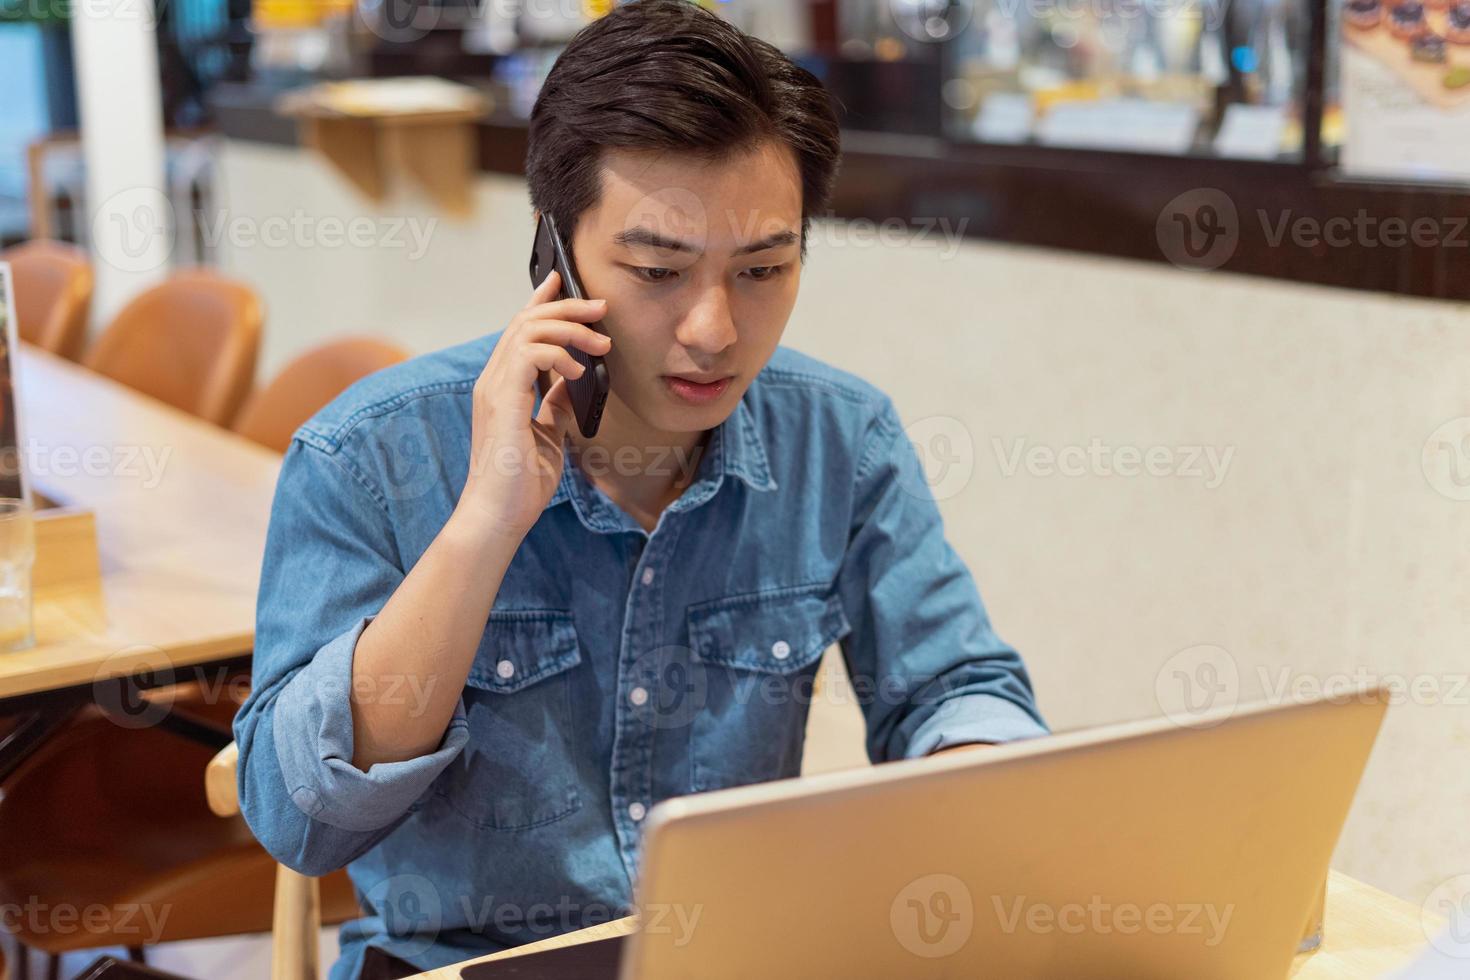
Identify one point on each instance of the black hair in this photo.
(670, 75)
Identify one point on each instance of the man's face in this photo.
(699, 262)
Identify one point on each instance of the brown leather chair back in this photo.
(53, 292)
(306, 384)
(191, 341)
(117, 817)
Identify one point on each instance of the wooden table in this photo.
(180, 546)
(1368, 932)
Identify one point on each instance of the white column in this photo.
(129, 222)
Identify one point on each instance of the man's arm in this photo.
(428, 632)
(430, 629)
(921, 640)
(338, 620)
(330, 559)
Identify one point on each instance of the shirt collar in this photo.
(745, 450)
(735, 447)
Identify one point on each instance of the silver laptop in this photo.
(1141, 850)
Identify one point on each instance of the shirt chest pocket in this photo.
(757, 656)
(518, 769)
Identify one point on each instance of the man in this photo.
(488, 645)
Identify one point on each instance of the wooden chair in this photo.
(139, 832)
(53, 294)
(305, 385)
(113, 818)
(191, 341)
(56, 188)
(297, 915)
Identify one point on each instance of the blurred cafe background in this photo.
(1174, 296)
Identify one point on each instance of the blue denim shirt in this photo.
(618, 667)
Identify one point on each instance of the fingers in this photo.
(556, 408)
(537, 340)
(550, 357)
(566, 334)
(580, 310)
(546, 292)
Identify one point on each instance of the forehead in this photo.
(729, 200)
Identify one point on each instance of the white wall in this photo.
(129, 220)
(1323, 551)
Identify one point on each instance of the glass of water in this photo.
(17, 555)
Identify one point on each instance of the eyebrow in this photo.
(652, 239)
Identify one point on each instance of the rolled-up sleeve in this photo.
(929, 668)
(330, 564)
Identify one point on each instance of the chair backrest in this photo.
(53, 293)
(307, 384)
(297, 915)
(191, 341)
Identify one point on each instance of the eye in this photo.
(652, 273)
(761, 273)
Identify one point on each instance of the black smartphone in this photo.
(589, 392)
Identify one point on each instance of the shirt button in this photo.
(648, 576)
(505, 669)
(781, 649)
(639, 696)
(636, 811)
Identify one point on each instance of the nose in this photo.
(708, 327)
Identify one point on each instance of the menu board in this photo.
(1405, 84)
(12, 479)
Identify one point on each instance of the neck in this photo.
(641, 468)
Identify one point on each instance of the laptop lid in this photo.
(1138, 850)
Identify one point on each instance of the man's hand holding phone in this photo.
(516, 461)
(434, 622)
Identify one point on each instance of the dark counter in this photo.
(1098, 202)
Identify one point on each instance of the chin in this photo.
(658, 413)
(692, 418)
(657, 409)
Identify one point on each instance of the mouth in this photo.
(697, 389)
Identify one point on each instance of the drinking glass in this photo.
(17, 556)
